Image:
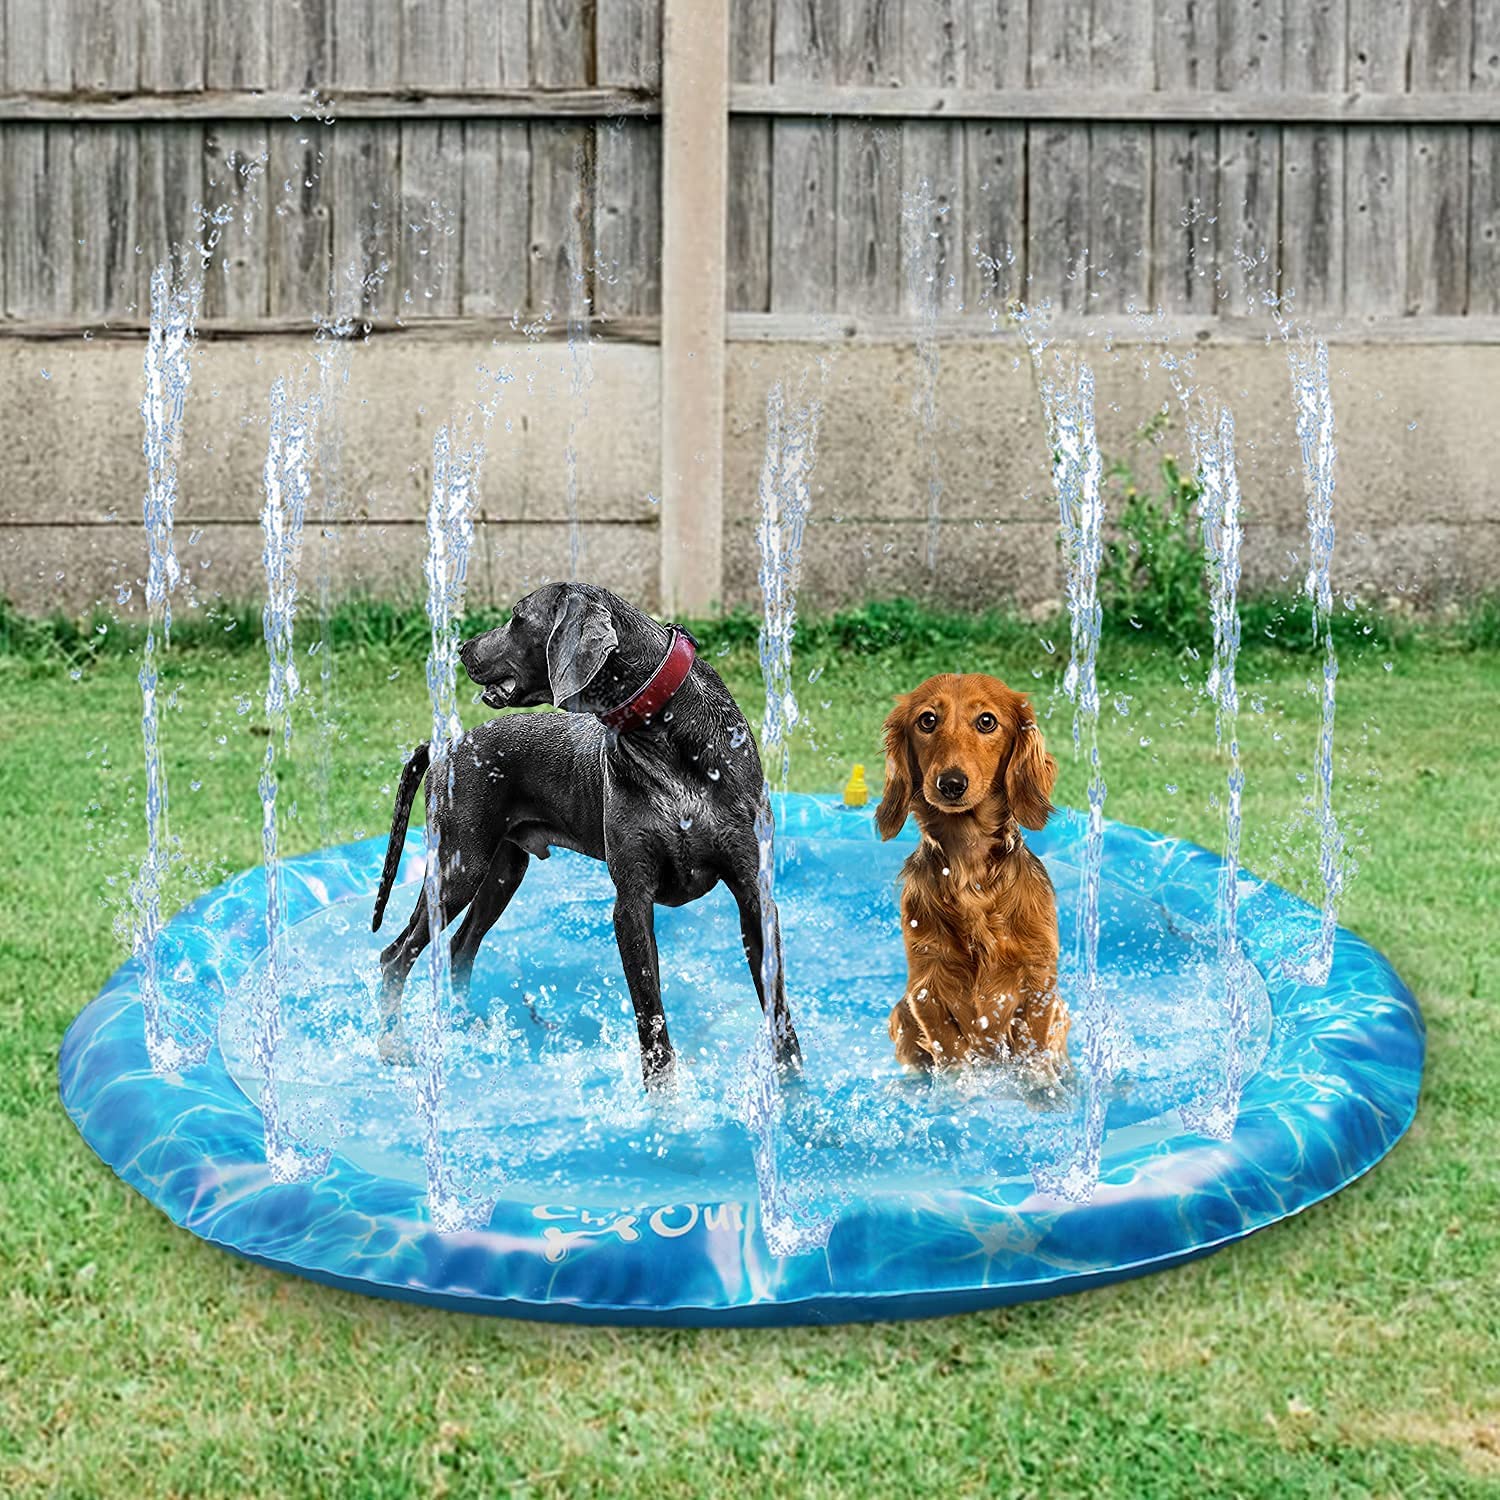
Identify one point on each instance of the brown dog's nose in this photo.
(952, 785)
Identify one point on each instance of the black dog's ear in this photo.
(899, 781)
(583, 635)
(1031, 773)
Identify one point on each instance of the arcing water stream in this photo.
(1314, 406)
(450, 537)
(1222, 533)
(785, 497)
(174, 1038)
(288, 483)
(1077, 476)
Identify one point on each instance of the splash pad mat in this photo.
(870, 1194)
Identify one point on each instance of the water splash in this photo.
(1077, 475)
(1222, 534)
(922, 253)
(287, 479)
(450, 539)
(785, 497)
(1315, 433)
(174, 1038)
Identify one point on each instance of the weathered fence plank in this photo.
(1184, 162)
(105, 170)
(432, 216)
(1250, 61)
(995, 204)
(934, 230)
(1121, 53)
(749, 219)
(1437, 215)
(1312, 166)
(1058, 184)
(804, 241)
(997, 56)
(434, 43)
(39, 221)
(366, 44)
(627, 228)
(561, 212)
(496, 261)
(170, 224)
(173, 45)
(106, 46)
(299, 232)
(1128, 106)
(1484, 167)
(237, 44)
(301, 44)
(866, 252)
(38, 46)
(627, 42)
(235, 178)
(1375, 229)
(562, 50)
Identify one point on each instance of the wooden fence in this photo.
(832, 167)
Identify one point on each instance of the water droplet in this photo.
(1171, 789)
(684, 824)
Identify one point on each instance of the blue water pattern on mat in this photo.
(615, 1207)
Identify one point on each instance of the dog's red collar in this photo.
(659, 688)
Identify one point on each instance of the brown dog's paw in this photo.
(914, 1047)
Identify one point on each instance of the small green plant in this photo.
(1152, 578)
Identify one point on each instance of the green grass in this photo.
(1352, 1351)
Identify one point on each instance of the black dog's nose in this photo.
(952, 785)
(466, 650)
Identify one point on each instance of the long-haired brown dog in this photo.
(964, 754)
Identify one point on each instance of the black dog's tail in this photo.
(406, 793)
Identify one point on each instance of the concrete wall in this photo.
(72, 473)
(1417, 505)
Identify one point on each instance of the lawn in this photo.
(1352, 1351)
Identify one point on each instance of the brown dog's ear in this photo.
(1030, 773)
(899, 783)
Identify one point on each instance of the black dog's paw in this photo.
(394, 1049)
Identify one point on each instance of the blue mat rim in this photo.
(1350, 1058)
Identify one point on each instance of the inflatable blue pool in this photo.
(870, 1194)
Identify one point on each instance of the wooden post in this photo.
(695, 156)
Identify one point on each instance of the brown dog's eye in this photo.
(927, 722)
(986, 723)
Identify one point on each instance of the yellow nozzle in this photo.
(856, 794)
